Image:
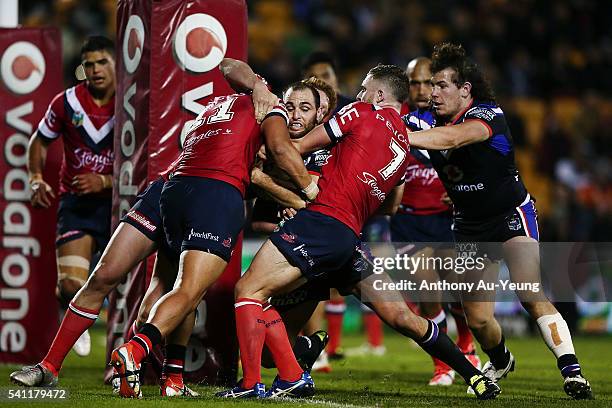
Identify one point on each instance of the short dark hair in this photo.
(447, 55)
(394, 77)
(301, 85)
(317, 57)
(98, 43)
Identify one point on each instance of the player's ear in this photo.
(380, 96)
(320, 114)
(466, 89)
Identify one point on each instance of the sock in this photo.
(499, 355)
(465, 340)
(143, 343)
(76, 320)
(334, 311)
(440, 320)
(373, 328)
(132, 330)
(439, 345)
(307, 349)
(278, 343)
(174, 362)
(251, 331)
(557, 337)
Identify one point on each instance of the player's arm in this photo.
(266, 184)
(392, 202)
(316, 139)
(286, 157)
(242, 78)
(41, 191)
(450, 137)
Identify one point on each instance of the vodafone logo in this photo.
(133, 43)
(22, 67)
(200, 43)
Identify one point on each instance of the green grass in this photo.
(397, 379)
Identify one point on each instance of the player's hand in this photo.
(311, 191)
(261, 154)
(288, 213)
(256, 173)
(263, 101)
(446, 199)
(41, 193)
(88, 183)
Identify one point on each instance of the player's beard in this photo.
(307, 128)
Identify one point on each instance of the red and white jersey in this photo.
(223, 141)
(423, 189)
(368, 161)
(86, 130)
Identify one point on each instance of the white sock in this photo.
(556, 334)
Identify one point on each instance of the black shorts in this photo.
(426, 229)
(315, 243)
(517, 222)
(145, 214)
(202, 214)
(83, 215)
(317, 289)
(486, 235)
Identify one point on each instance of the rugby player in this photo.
(368, 164)
(425, 215)
(83, 116)
(471, 148)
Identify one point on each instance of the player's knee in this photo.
(478, 321)
(242, 289)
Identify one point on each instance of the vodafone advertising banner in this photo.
(30, 76)
(167, 59)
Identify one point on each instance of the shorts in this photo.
(317, 244)
(84, 215)
(201, 214)
(317, 289)
(486, 235)
(411, 228)
(517, 222)
(145, 215)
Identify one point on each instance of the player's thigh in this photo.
(268, 274)
(198, 270)
(166, 268)
(127, 247)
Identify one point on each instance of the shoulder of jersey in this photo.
(420, 119)
(484, 110)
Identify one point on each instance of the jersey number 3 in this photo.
(399, 155)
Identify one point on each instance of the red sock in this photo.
(251, 330)
(278, 343)
(373, 328)
(464, 334)
(334, 311)
(76, 320)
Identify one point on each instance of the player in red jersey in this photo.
(83, 116)
(203, 212)
(425, 216)
(364, 174)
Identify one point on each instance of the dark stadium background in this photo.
(550, 64)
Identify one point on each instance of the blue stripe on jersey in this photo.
(501, 144)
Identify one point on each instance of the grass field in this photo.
(397, 379)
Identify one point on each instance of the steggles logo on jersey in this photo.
(426, 175)
(200, 43)
(133, 43)
(97, 163)
(22, 67)
(371, 182)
